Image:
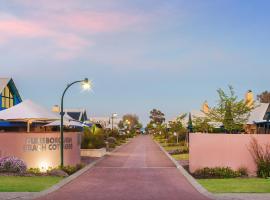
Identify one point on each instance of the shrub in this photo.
(57, 172)
(111, 140)
(261, 157)
(92, 140)
(71, 169)
(181, 150)
(243, 171)
(216, 172)
(12, 164)
(35, 171)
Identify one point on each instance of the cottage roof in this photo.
(258, 113)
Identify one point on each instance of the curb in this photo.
(34, 195)
(190, 179)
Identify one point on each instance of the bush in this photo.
(111, 140)
(71, 169)
(35, 171)
(243, 171)
(92, 140)
(181, 150)
(261, 157)
(12, 164)
(216, 172)
(57, 172)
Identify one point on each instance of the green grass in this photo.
(26, 184)
(184, 156)
(169, 148)
(236, 185)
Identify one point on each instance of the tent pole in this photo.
(28, 127)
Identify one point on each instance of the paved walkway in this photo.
(137, 171)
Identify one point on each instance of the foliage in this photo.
(12, 164)
(111, 140)
(179, 151)
(72, 169)
(216, 172)
(57, 172)
(157, 117)
(190, 124)
(261, 156)
(264, 97)
(201, 124)
(92, 140)
(130, 122)
(35, 171)
(243, 171)
(233, 113)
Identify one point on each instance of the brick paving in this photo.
(138, 171)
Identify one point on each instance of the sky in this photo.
(140, 54)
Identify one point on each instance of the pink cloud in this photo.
(95, 22)
(69, 32)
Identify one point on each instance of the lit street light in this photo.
(114, 115)
(86, 85)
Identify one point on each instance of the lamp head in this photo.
(86, 84)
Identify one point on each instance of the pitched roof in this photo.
(258, 113)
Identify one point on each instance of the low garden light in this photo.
(86, 85)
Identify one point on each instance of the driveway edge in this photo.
(190, 179)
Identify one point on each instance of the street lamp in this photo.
(86, 85)
(114, 115)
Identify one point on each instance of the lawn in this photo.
(184, 156)
(236, 185)
(26, 184)
(169, 148)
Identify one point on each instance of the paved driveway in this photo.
(137, 171)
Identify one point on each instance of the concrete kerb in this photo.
(191, 180)
(34, 195)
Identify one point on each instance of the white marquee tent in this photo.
(29, 112)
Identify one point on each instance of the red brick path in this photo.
(138, 171)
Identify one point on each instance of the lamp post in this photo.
(114, 115)
(86, 85)
(267, 121)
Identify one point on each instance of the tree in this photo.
(264, 97)
(157, 117)
(233, 113)
(130, 121)
(201, 124)
(177, 127)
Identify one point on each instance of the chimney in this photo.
(205, 107)
(56, 109)
(249, 99)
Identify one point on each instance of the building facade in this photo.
(9, 95)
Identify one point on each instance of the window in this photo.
(7, 98)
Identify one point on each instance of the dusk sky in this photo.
(140, 54)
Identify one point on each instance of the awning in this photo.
(28, 111)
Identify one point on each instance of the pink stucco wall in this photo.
(39, 148)
(223, 150)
